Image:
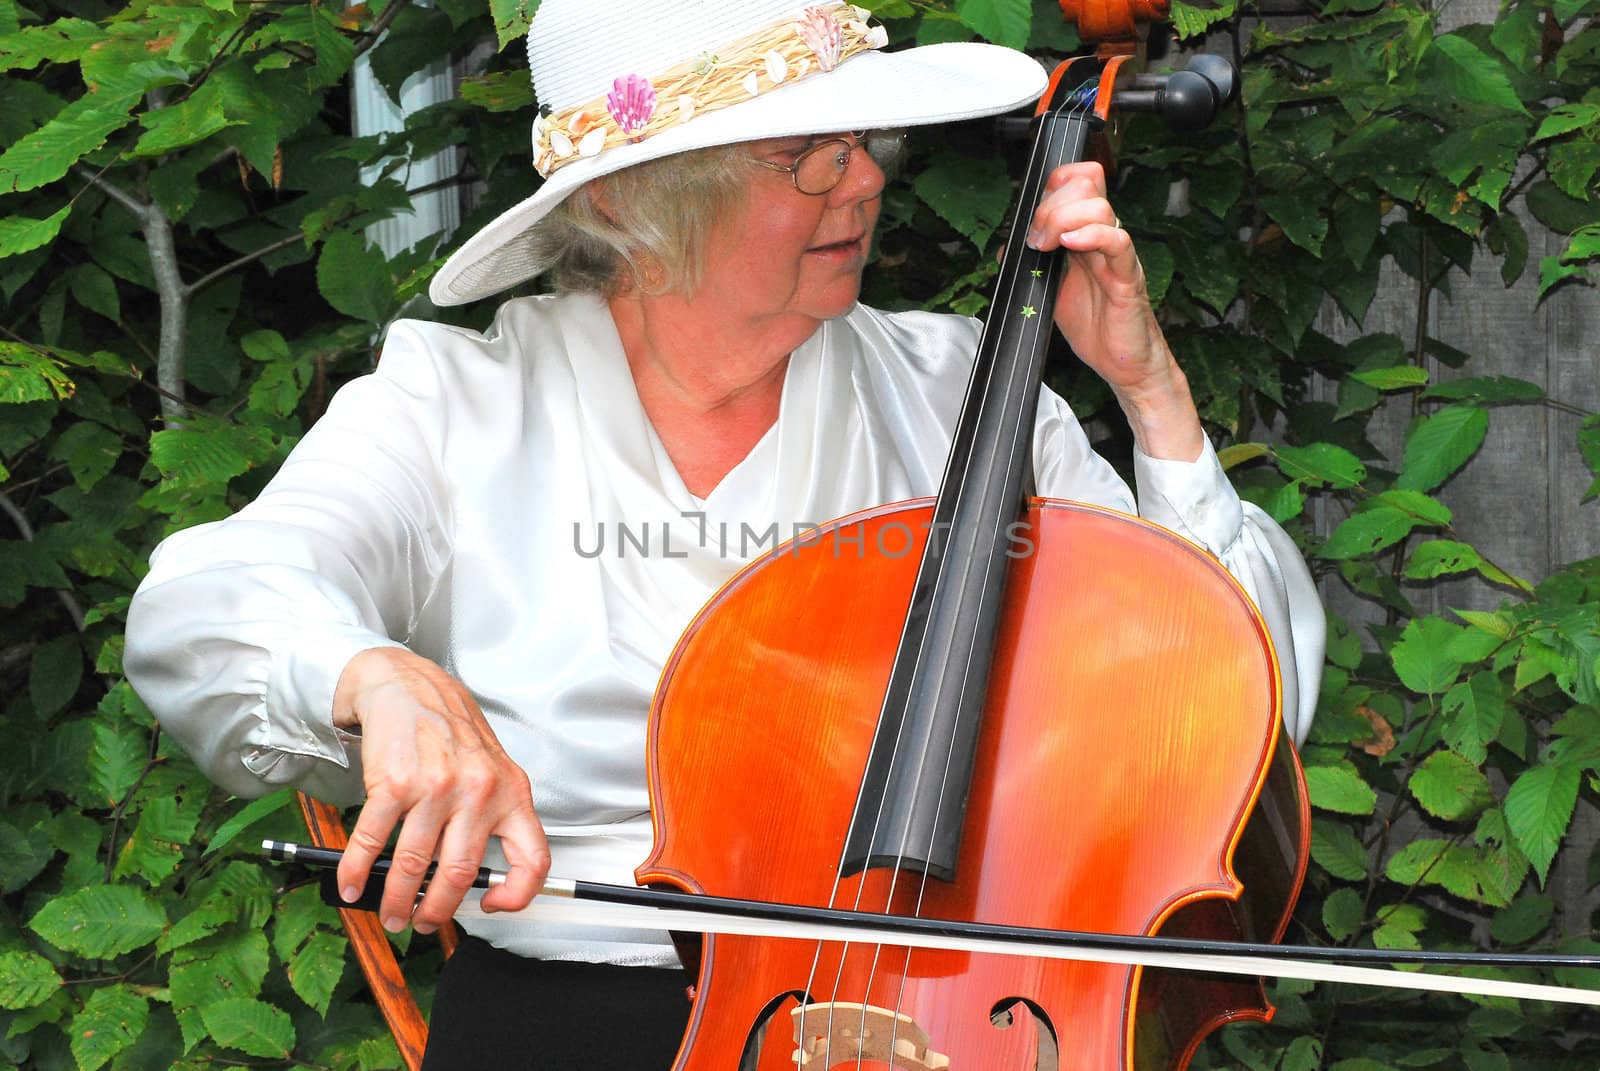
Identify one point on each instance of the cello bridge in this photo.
(837, 1032)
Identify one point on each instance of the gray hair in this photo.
(644, 226)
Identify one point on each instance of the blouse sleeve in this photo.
(238, 634)
(1195, 499)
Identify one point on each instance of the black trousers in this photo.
(497, 1010)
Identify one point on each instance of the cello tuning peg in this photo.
(1220, 72)
(1188, 99)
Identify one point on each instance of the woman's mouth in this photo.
(848, 247)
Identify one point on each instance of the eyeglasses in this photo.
(820, 167)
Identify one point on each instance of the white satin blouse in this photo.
(500, 503)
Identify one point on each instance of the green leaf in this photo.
(117, 760)
(1321, 463)
(1336, 849)
(1474, 710)
(1589, 450)
(240, 893)
(180, 125)
(197, 456)
(1498, 625)
(90, 450)
(970, 195)
(19, 234)
(30, 374)
(251, 1026)
(1382, 521)
(100, 921)
(1439, 444)
(1460, 70)
(1496, 1021)
(1486, 389)
(1005, 22)
(511, 19)
(24, 851)
(1557, 210)
(499, 91)
(1339, 788)
(54, 674)
(111, 1020)
(1572, 166)
(26, 980)
(1485, 1059)
(1442, 557)
(1190, 20)
(315, 970)
(1539, 809)
(94, 288)
(62, 40)
(1341, 914)
(1303, 1054)
(1450, 787)
(78, 129)
(1422, 658)
(1288, 502)
(249, 815)
(1400, 377)
(1300, 217)
(1506, 237)
(355, 278)
(296, 916)
(1159, 265)
(155, 848)
(1456, 867)
(1238, 453)
(232, 965)
(1523, 920)
(1425, 508)
(1553, 272)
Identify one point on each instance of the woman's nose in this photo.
(863, 179)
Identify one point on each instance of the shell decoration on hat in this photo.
(638, 106)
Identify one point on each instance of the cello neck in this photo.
(910, 808)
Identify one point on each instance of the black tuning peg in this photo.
(1188, 99)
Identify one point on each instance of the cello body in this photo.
(1131, 776)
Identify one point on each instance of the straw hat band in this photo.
(637, 107)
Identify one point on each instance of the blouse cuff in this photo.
(299, 699)
(1192, 498)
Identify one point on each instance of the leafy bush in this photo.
(186, 280)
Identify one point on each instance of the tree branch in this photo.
(174, 314)
(126, 200)
(371, 36)
(170, 286)
(233, 265)
(20, 519)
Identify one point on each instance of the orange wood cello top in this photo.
(1121, 755)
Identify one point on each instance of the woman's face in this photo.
(791, 256)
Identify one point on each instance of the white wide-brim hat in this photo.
(729, 71)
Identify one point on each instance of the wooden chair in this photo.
(372, 947)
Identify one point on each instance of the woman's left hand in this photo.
(1105, 314)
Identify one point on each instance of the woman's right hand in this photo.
(432, 765)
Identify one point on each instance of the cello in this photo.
(951, 710)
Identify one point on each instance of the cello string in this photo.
(1061, 142)
(1005, 293)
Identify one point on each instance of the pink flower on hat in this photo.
(631, 102)
(823, 35)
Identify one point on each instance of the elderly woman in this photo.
(455, 599)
